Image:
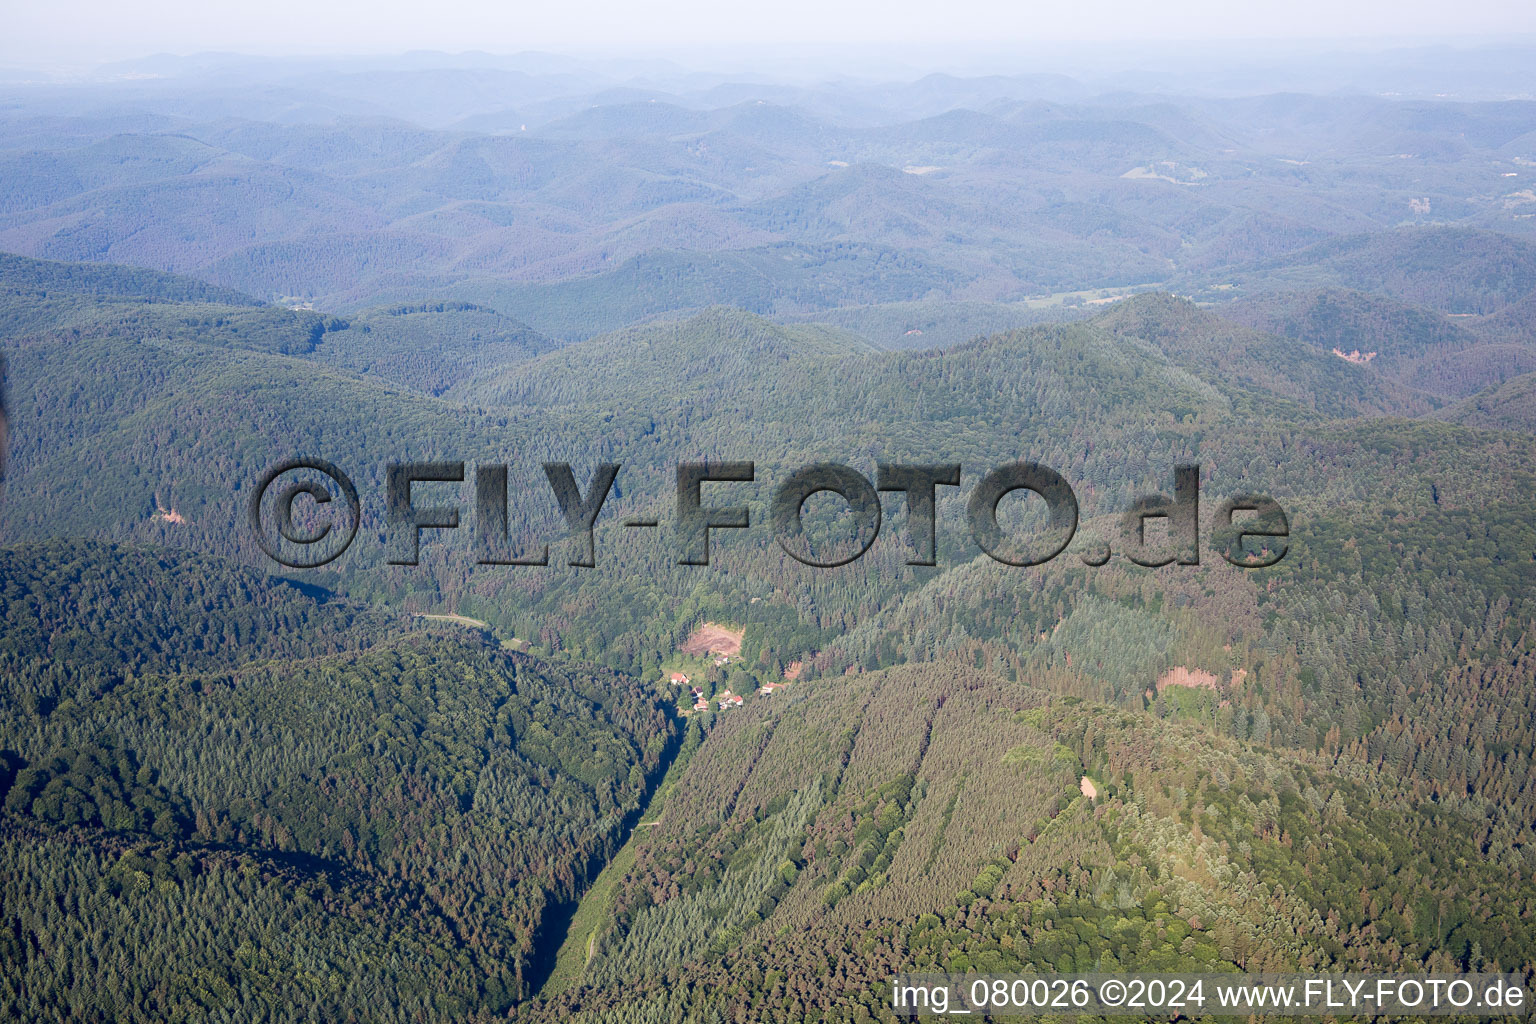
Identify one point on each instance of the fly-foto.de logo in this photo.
(305, 512)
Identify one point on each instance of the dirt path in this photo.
(463, 620)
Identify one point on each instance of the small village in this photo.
(708, 656)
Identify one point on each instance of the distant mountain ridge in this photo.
(464, 790)
(647, 202)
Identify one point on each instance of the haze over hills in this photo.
(629, 202)
(462, 791)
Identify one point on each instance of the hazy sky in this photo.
(80, 31)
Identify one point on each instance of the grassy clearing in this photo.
(463, 620)
(595, 911)
(592, 916)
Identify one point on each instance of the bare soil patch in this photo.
(713, 638)
(1192, 677)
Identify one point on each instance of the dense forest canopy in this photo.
(650, 791)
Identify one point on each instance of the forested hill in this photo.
(946, 819)
(228, 808)
(204, 399)
(1284, 761)
(1452, 269)
(649, 791)
(1422, 348)
(426, 346)
(85, 611)
(20, 276)
(1508, 406)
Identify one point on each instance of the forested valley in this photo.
(755, 790)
